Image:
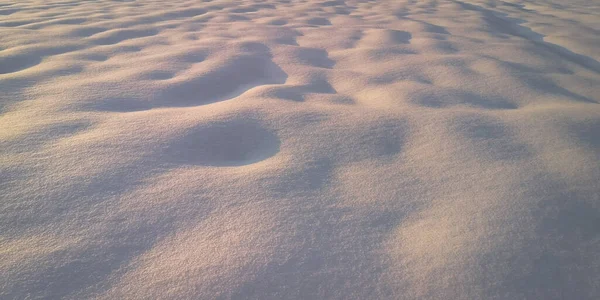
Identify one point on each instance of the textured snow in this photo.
(299, 149)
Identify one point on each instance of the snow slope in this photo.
(291, 149)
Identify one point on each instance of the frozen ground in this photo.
(299, 149)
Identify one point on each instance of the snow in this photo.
(291, 149)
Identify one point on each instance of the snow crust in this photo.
(286, 149)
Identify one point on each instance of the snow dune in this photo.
(285, 149)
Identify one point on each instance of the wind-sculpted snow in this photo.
(319, 149)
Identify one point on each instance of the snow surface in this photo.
(291, 149)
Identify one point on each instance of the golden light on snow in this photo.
(312, 149)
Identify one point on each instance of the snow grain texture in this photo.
(299, 149)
